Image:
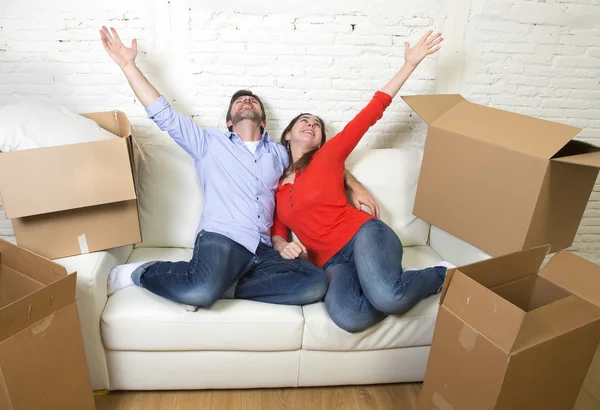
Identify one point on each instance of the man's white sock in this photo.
(120, 277)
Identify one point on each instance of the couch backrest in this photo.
(170, 208)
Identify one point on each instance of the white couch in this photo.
(136, 340)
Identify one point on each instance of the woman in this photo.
(361, 255)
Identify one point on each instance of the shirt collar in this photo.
(265, 137)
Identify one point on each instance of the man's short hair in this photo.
(244, 93)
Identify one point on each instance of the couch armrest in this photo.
(92, 273)
(454, 250)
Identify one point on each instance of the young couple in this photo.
(256, 191)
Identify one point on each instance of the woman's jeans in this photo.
(368, 282)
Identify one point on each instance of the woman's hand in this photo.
(291, 250)
(428, 44)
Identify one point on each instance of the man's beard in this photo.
(245, 115)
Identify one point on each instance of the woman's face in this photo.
(306, 132)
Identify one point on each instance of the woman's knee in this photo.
(351, 320)
(392, 304)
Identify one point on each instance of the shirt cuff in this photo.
(157, 106)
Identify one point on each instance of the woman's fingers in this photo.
(432, 39)
(115, 35)
(424, 38)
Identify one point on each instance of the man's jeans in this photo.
(218, 262)
(368, 282)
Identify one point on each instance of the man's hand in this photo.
(121, 54)
(360, 196)
(291, 250)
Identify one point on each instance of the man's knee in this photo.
(201, 297)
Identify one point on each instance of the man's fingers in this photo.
(115, 35)
(304, 249)
(134, 45)
(376, 210)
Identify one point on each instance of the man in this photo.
(239, 171)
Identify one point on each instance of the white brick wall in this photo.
(537, 57)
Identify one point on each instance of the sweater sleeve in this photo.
(342, 144)
(279, 228)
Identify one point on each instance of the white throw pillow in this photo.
(391, 176)
(34, 122)
(170, 208)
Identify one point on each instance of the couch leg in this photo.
(101, 392)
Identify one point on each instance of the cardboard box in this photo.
(510, 338)
(42, 359)
(73, 199)
(501, 181)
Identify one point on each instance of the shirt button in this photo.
(258, 216)
(255, 160)
(257, 198)
(292, 204)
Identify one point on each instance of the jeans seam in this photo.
(262, 280)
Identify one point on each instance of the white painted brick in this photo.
(517, 48)
(578, 83)
(356, 39)
(417, 22)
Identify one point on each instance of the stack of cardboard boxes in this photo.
(508, 336)
(63, 201)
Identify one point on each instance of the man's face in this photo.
(245, 108)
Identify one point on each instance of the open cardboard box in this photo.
(501, 181)
(508, 337)
(42, 358)
(73, 199)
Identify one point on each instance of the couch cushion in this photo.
(391, 176)
(170, 207)
(414, 328)
(136, 319)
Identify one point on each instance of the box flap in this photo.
(504, 269)
(36, 306)
(431, 107)
(112, 121)
(591, 159)
(489, 314)
(30, 264)
(554, 319)
(574, 274)
(518, 132)
(44, 180)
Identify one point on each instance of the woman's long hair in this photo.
(303, 162)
